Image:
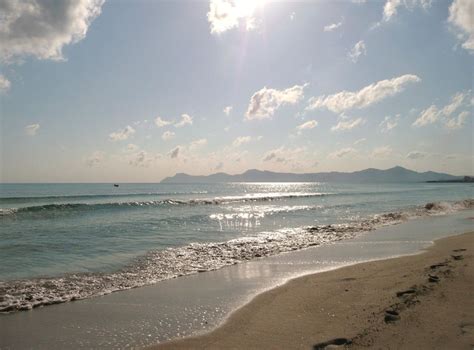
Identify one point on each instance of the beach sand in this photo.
(423, 301)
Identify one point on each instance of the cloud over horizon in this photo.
(365, 97)
(433, 114)
(265, 102)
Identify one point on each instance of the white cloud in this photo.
(433, 114)
(342, 153)
(186, 119)
(265, 102)
(4, 84)
(224, 15)
(310, 124)
(347, 124)
(416, 155)
(457, 100)
(457, 123)
(241, 140)
(389, 123)
(174, 153)
(197, 143)
(382, 152)
(331, 27)
(359, 141)
(41, 28)
(32, 129)
(168, 135)
(358, 50)
(122, 134)
(227, 110)
(161, 122)
(95, 159)
(373, 93)
(390, 9)
(285, 155)
(427, 116)
(141, 159)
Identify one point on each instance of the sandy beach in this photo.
(420, 301)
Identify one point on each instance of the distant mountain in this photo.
(395, 174)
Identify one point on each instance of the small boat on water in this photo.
(116, 185)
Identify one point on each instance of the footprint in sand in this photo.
(433, 278)
(391, 316)
(332, 344)
(406, 292)
(457, 257)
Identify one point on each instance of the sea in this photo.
(65, 242)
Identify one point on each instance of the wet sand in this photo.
(421, 301)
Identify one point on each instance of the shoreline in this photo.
(195, 304)
(424, 296)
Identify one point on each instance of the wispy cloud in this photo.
(32, 129)
(265, 102)
(186, 119)
(284, 155)
(391, 7)
(122, 134)
(4, 84)
(197, 144)
(359, 141)
(331, 27)
(241, 140)
(347, 124)
(416, 155)
(168, 135)
(227, 110)
(343, 152)
(159, 122)
(382, 152)
(433, 114)
(367, 96)
(358, 50)
(457, 122)
(389, 123)
(310, 124)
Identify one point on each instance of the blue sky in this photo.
(136, 91)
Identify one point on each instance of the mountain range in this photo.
(371, 175)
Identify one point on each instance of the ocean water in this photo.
(61, 242)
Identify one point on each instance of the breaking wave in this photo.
(259, 197)
(198, 257)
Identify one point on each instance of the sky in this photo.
(135, 91)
